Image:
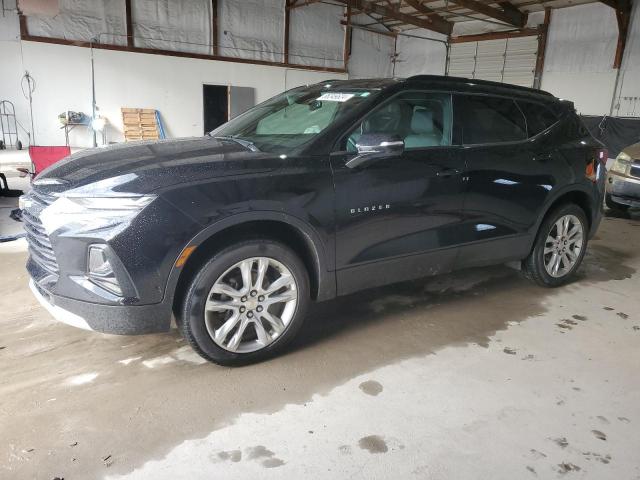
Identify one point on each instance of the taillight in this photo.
(599, 159)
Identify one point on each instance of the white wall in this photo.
(579, 57)
(578, 66)
(12, 70)
(307, 46)
(251, 29)
(371, 53)
(82, 20)
(627, 101)
(419, 56)
(172, 85)
(590, 92)
(183, 25)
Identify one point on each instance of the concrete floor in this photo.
(475, 375)
(9, 228)
(9, 160)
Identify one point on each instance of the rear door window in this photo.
(538, 117)
(487, 119)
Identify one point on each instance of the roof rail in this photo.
(442, 78)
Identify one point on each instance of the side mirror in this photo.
(375, 146)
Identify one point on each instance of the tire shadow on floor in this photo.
(466, 306)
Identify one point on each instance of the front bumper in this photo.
(114, 319)
(623, 189)
(141, 251)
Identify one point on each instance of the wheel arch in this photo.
(289, 230)
(576, 194)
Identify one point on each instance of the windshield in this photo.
(293, 118)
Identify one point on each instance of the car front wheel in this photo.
(246, 303)
(559, 247)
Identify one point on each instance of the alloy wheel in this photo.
(563, 246)
(251, 305)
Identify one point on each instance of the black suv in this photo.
(318, 192)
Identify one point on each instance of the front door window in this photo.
(421, 119)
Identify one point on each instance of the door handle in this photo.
(543, 157)
(448, 172)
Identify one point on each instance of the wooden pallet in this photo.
(140, 124)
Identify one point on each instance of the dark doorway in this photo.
(215, 106)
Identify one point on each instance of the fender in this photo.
(321, 259)
(550, 203)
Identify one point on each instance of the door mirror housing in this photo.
(375, 146)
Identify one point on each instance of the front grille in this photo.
(635, 169)
(39, 245)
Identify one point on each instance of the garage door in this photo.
(510, 60)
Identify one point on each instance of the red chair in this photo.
(42, 157)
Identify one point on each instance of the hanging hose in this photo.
(28, 85)
(602, 126)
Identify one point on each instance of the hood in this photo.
(143, 167)
(633, 151)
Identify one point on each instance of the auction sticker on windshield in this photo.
(336, 96)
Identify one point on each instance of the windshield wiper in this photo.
(245, 143)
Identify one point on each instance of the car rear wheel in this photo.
(246, 303)
(559, 247)
(613, 205)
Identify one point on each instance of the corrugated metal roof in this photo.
(455, 13)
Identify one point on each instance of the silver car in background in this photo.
(623, 180)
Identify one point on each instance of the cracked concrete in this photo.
(473, 375)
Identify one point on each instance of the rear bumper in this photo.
(623, 189)
(114, 319)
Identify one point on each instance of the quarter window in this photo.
(491, 120)
(420, 119)
(538, 117)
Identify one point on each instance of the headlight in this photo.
(621, 164)
(92, 212)
(112, 205)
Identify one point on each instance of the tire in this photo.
(225, 270)
(611, 204)
(534, 266)
(18, 145)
